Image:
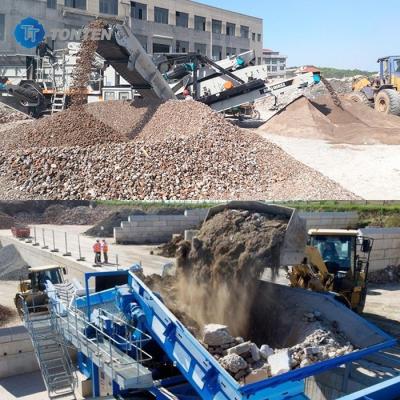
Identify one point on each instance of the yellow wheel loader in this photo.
(383, 92)
(32, 291)
(337, 261)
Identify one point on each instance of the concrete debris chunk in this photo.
(216, 335)
(240, 348)
(266, 351)
(233, 363)
(279, 362)
(258, 375)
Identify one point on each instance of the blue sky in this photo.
(334, 33)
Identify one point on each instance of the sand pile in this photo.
(12, 266)
(321, 118)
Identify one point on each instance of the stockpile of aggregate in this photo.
(8, 115)
(12, 266)
(219, 161)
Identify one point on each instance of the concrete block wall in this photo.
(16, 352)
(330, 220)
(154, 229)
(386, 247)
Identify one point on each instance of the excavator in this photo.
(383, 92)
(336, 261)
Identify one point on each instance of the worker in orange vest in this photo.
(104, 249)
(97, 252)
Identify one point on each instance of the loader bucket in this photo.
(293, 246)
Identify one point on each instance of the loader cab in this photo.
(390, 71)
(38, 276)
(346, 256)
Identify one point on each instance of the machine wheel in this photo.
(387, 101)
(359, 97)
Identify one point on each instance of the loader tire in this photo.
(359, 97)
(387, 101)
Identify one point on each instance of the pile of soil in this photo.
(6, 221)
(217, 273)
(12, 266)
(390, 274)
(352, 123)
(170, 248)
(5, 314)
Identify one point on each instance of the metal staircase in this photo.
(52, 354)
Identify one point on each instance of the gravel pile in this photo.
(8, 115)
(12, 265)
(218, 162)
(73, 127)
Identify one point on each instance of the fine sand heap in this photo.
(12, 266)
(320, 118)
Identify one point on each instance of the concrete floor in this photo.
(371, 172)
(23, 387)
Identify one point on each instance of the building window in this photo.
(200, 48)
(81, 4)
(253, 36)
(182, 19)
(282, 60)
(259, 37)
(269, 68)
(199, 23)
(52, 4)
(244, 32)
(217, 53)
(108, 96)
(274, 69)
(230, 29)
(259, 60)
(108, 7)
(161, 15)
(182, 47)
(139, 11)
(274, 61)
(216, 26)
(2, 26)
(230, 51)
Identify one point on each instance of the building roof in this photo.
(307, 68)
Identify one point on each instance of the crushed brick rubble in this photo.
(248, 363)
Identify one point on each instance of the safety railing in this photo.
(73, 324)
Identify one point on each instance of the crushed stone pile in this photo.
(8, 115)
(221, 162)
(73, 127)
(248, 363)
(6, 221)
(12, 266)
(5, 314)
(390, 274)
(320, 118)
